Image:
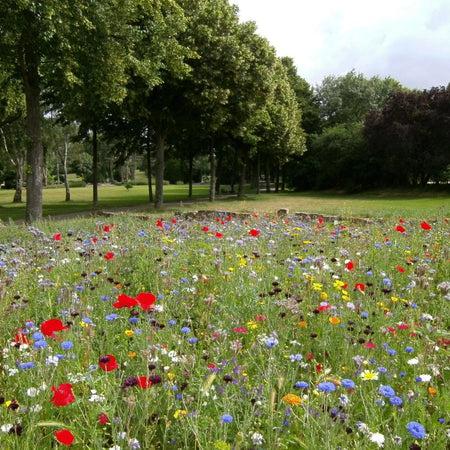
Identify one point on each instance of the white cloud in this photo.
(406, 39)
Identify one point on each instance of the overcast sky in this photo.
(408, 40)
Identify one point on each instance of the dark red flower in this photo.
(64, 437)
(103, 419)
(49, 327)
(146, 300)
(107, 363)
(63, 395)
(124, 301)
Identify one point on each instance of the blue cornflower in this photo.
(184, 279)
(38, 336)
(271, 342)
(395, 400)
(409, 349)
(66, 345)
(40, 344)
(227, 418)
(133, 320)
(392, 352)
(26, 366)
(301, 384)
(185, 330)
(296, 357)
(416, 429)
(347, 383)
(86, 320)
(111, 317)
(387, 391)
(193, 340)
(326, 386)
(172, 322)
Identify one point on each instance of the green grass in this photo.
(384, 204)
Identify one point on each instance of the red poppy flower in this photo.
(94, 240)
(103, 419)
(107, 363)
(49, 327)
(63, 395)
(143, 382)
(360, 286)
(219, 235)
(324, 307)
(350, 265)
(109, 256)
(64, 437)
(205, 229)
(57, 237)
(369, 345)
(400, 228)
(21, 338)
(425, 226)
(159, 223)
(320, 220)
(146, 300)
(253, 233)
(124, 301)
(400, 268)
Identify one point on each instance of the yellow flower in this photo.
(180, 413)
(317, 286)
(129, 333)
(303, 324)
(292, 399)
(170, 375)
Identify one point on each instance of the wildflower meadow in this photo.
(225, 332)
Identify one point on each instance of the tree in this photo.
(408, 139)
(348, 98)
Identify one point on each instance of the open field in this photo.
(228, 332)
(374, 205)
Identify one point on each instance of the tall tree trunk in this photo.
(267, 174)
(149, 167)
(94, 166)
(212, 181)
(242, 181)
(35, 156)
(277, 178)
(66, 176)
(159, 169)
(190, 174)
(258, 173)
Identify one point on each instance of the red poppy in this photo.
(49, 327)
(64, 437)
(401, 221)
(253, 233)
(360, 286)
(146, 300)
(320, 220)
(425, 226)
(400, 228)
(143, 382)
(107, 363)
(109, 256)
(400, 268)
(124, 301)
(370, 345)
(57, 237)
(63, 395)
(159, 223)
(219, 235)
(205, 229)
(350, 265)
(94, 240)
(21, 338)
(324, 307)
(103, 419)
(106, 228)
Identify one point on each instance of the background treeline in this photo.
(184, 91)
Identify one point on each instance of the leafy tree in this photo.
(348, 98)
(408, 139)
